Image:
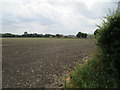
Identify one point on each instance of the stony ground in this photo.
(35, 62)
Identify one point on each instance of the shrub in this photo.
(108, 40)
(102, 70)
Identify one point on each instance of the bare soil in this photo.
(36, 63)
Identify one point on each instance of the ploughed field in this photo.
(40, 62)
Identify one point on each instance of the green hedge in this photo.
(102, 70)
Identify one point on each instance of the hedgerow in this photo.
(102, 70)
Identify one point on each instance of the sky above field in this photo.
(53, 16)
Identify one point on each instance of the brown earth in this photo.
(36, 63)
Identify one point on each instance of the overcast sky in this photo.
(53, 16)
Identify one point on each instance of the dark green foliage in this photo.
(81, 35)
(95, 33)
(25, 34)
(102, 70)
(108, 40)
(32, 35)
(92, 75)
(59, 35)
(47, 35)
(8, 35)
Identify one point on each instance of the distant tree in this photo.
(40, 35)
(8, 35)
(81, 35)
(35, 35)
(53, 35)
(25, 34)
(59, 35)
(47, 35)
(85, 35)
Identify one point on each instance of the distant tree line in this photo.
(26, 34)
(30, 35)
(10, 35)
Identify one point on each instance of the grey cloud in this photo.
(54, 17)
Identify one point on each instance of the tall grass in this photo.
(91, 74)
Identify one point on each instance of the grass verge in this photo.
(91, 74)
